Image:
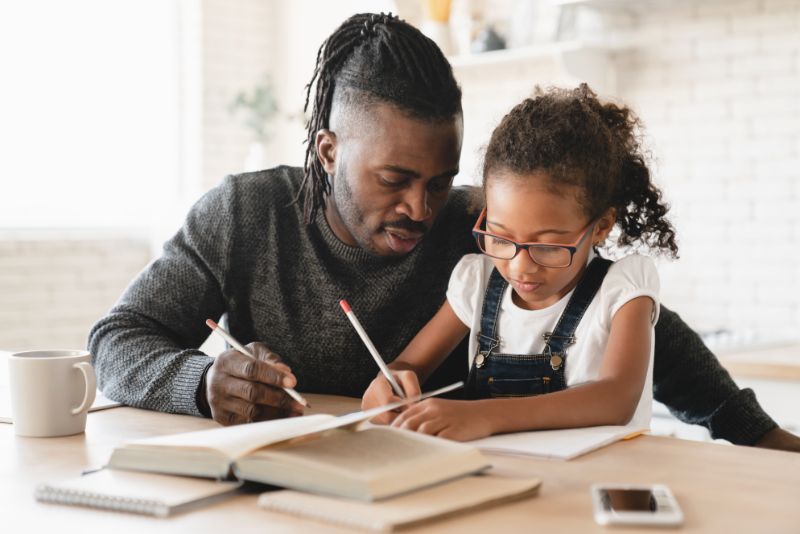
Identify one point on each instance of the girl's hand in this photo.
(451, 419)
(379, 393)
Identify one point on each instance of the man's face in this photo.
(391, 175)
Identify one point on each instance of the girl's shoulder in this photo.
(472, 266)
(629, 277)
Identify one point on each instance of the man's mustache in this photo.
(407, 224)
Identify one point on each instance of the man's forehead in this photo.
(368, 117)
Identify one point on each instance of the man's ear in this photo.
(326, 150)
(604, 226)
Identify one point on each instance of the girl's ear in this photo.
(604, 226)
(326, 150)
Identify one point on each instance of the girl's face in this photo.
(523, 209)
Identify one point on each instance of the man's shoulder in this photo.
(464, 204)
(277, 183)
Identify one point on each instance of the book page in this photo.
(367, 451)
(236, 441)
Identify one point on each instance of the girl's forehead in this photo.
(528, 207)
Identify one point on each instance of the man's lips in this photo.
(402, 241)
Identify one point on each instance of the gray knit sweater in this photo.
(244, 251)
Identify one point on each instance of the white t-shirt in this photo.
(521, 330)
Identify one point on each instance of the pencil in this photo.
(238, 346)
(372, 350)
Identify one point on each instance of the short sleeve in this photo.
(466, 286)
(629, 278)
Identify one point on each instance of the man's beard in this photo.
(353, 218)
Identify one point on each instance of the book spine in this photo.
(50, 494)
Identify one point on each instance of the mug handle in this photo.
(91, 387)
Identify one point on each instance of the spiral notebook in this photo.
(139, 493)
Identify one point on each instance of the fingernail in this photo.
(288, 382)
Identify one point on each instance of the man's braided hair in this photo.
(374, 58)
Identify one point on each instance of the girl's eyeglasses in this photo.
(555, 255)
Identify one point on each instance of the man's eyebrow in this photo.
(545, 231)
(414, 174)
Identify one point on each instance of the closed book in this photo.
(462, 496)
(139, 493)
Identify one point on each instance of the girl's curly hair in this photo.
(579, 141)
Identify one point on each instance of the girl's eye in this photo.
(498, 241)
(549, 251)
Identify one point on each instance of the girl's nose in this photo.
(523, 263)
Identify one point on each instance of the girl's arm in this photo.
(432, 344)
(609, 400)
(421, 357)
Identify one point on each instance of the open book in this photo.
(318, 453)
(563, 444)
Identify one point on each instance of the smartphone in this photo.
(635, 504)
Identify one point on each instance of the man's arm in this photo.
(689, 379)
(145, 351)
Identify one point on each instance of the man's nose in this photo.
(415, 204)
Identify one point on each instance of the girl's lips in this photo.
(525, 287)
(402, 244)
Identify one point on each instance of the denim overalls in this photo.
(494, 374)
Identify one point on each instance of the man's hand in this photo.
(240, 389)
(779, 439)
(379, 393)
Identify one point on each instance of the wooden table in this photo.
(721, 488)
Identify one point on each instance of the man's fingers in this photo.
(257, 393)
(237, 364)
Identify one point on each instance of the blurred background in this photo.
(115, 116)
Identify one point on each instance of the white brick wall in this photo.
(53, 288)
(727, 140)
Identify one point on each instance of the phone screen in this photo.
(629, 500)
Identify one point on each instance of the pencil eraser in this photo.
(345, 306)
(211, 324)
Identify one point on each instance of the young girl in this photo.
(559, 337)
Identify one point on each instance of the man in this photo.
(371, 218)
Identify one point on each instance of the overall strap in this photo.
(564, 333)
(487, 337)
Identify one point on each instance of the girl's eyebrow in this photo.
(546, 231)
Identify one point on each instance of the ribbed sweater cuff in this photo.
(185, 384)
(740, 419)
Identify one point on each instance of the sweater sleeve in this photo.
(145, 351)
(691, 382)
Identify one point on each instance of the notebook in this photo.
(139, 493)
(563, 444)
(316, 453)
(461, 496)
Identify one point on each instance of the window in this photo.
(89, 112)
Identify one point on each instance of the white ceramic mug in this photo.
(51, 391)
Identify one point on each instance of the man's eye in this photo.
(440, 184)
(392, 182)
